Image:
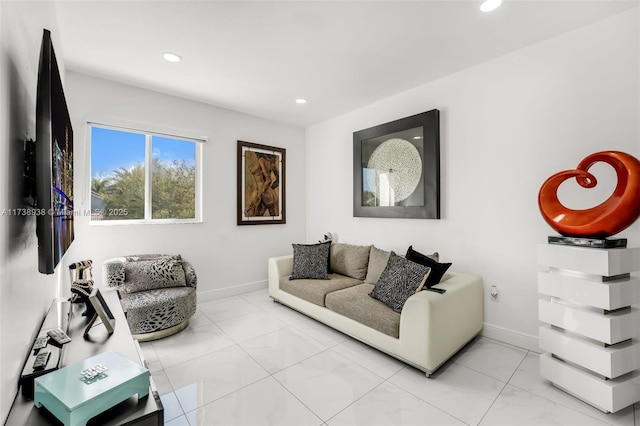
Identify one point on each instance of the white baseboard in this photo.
(235, 290)
(505, 335)
(515, 338)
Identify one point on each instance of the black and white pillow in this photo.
(143, 275)
(311, 261)
(400, 279)
(437, 269)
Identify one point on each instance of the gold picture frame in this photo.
(261, 184)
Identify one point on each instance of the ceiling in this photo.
(257, 57)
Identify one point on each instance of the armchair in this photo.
(158, 292)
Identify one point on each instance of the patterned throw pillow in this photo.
(152, 274)
(437, 269)
(400, 280)
(143, 257)
(311, 261)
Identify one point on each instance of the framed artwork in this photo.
(102, 311)
(396, 168)
(261, 184)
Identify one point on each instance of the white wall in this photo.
(25, 294)
(228, 258)
(506, 126)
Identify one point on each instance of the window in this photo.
(143, 177)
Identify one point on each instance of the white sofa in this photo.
(433, 326)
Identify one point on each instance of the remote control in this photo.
(41, 342)
(41, 360)
(58, 336)
(436, 290)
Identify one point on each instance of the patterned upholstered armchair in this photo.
(158, 292)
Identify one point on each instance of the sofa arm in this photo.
(278, 267)
(434, 326)
(189, 274)
(113, 272)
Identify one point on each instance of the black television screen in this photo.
(54, 162)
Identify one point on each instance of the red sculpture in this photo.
(615, 214)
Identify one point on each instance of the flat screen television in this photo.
(54, 163)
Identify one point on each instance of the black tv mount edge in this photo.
(29, 173)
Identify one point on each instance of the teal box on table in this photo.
(77, 393)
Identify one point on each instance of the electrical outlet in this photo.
(494, 293)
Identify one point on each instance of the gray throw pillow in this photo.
(350, 260)
(377, 262)
(400, 280)
(310, 261)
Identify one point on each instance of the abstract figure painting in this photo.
(396, 169)
(261, 184)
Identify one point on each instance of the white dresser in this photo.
(591, 336)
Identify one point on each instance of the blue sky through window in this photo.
(169, 149)
(114, 149)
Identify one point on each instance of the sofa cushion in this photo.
(162, 272)
(377, 262)
(314, 291)
(154, 310)
(350, 260)
(437, 269)
(399, 280)
(355, 303)
(310, 261)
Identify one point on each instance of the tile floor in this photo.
(246, 360)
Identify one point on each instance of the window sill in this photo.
(144, 222)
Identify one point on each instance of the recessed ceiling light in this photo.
(172, 57)
(417, 137)
(301, 101)
(489, 5)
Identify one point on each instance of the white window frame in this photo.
(148, 219)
